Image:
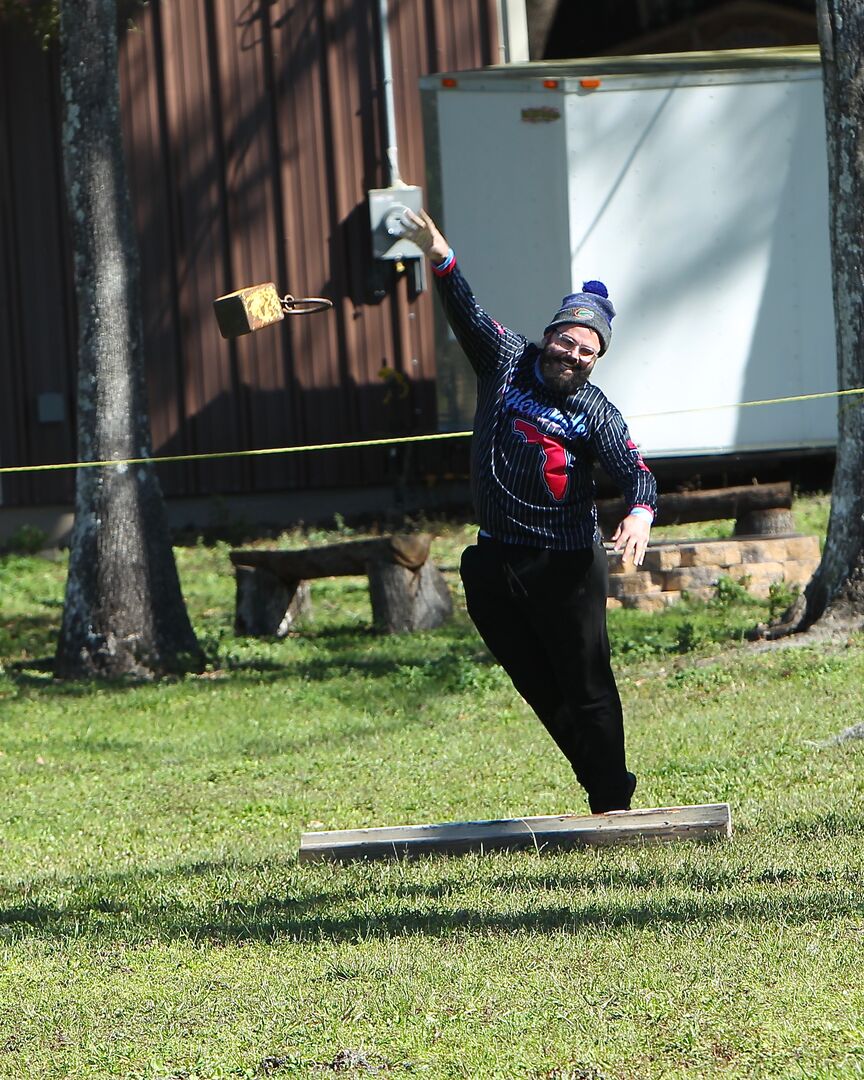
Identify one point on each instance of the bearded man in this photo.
(537, 579)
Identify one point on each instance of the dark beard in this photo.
(560, 378)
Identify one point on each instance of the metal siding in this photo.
(14, 489)
(142, 82)
(254, 129)
(36, 286)
(195, 132)
(253, 227)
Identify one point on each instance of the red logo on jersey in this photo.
(637, 456)
(554, 457)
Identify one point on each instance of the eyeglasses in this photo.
(583, 352)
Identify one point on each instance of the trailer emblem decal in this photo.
(543, 114)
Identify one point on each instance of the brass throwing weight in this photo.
(256, 306)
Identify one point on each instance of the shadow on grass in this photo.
(272, 919)
(443, 672)
(440, 655)
(23, 674)
(139, 908)
(30, 635)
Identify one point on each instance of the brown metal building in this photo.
(254, 129)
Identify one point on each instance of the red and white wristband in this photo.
(444, 267)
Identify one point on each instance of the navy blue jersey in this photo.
(533, 451)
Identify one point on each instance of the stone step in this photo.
(668, 555)
(694, 567)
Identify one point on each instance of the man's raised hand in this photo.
(421, 230)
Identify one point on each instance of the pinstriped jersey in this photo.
(533, 451)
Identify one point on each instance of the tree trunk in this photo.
(124, 614)
(836, 591)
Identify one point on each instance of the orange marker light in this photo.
(550, 84)
(589, 84)
(449, 82)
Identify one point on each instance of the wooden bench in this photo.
(407, 591)
(758, 509)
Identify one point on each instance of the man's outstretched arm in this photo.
(620, 457)
(485, 342)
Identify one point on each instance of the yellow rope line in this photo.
(221, 454)
(394, 441)
(745, 404)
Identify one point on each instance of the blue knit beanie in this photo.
(592, 308)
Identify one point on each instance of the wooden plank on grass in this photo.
(542, 834)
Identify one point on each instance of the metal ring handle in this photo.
(304, 305)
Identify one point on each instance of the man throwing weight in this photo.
(537, 579)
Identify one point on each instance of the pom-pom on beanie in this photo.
(592, 308)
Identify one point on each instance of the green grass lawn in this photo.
(154, 921)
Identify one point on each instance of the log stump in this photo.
(404, 600)
(266, 605)
(772, 521)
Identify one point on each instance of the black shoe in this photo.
(631, 787)
(600, 806)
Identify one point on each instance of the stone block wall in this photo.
(675, 566)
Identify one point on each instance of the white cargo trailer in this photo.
(695, 186)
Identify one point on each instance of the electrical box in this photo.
(695, 186)
(386, 207)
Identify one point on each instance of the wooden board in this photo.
(410, 550)
(542, 834)
(711, 504)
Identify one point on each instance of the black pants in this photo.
(543, 616)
